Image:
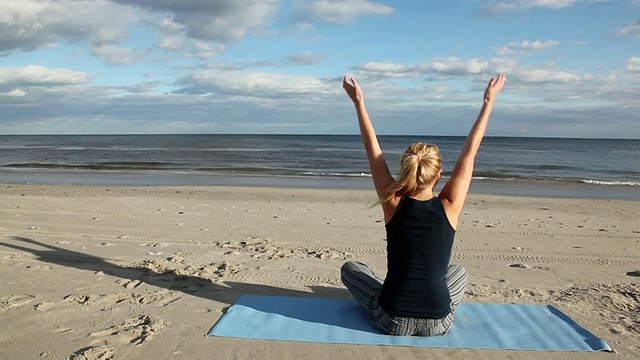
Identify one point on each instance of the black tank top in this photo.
(419, 242)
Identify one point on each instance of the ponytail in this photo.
(419, 167)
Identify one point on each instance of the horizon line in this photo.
(316, 134)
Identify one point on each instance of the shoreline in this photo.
(131, 179)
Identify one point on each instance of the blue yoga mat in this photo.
(478, 326)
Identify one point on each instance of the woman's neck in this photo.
(422, 194)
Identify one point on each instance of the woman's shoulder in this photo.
(451, 212)
(390, 208)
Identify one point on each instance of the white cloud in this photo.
(536, 75)
(14, 93)
(173, 43)
(631, 29)
(525, 47)
(552, 4)
(520, 77)
(116, 55)
(388, 69)
(633, 64)
(443, 67)
(337, 11)
(502, 7)
(253, 84)
(534, 84)
(221, 20)
(206, 50)
(32, 24)
(170, 27)
(297, 59)
(455, 66)
(143, 87)
(34, 75)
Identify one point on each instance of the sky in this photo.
(276, 66)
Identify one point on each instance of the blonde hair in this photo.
(419, 167)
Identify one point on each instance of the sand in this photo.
(95, 272)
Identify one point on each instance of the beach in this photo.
(130, 272)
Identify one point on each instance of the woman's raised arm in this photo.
(455, 191)
(382, 178)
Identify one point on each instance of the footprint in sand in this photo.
(155, 244)
(329, 254)
(156, 265)
(63, 242)
(41, 267)
(77, 298)
(45, 306)
(105, 244)
(129, 284)
(520, 266)
(526, 266)
(168, 301)
(178, 259)
(136, 330)
(63, 329)
(107, 300)
(633, 273)
(14, 301)
(102, 352)
(205, 272)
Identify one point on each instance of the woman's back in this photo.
(419, 242)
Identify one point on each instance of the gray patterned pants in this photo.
(364, 286)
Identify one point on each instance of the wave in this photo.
(334, 174)
(12, 147)
(557, 180)
(278, 172)
(612, 183)
(493, 175)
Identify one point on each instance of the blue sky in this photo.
(258, 66)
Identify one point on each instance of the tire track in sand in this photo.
(186, 238)
(251, 225)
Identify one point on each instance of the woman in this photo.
(421, 291)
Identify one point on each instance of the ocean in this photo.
(505, 165)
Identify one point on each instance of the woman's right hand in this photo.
(494, 87)
(350, 85)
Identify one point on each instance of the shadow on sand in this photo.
(221, 291)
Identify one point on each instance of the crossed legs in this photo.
(364, 286)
